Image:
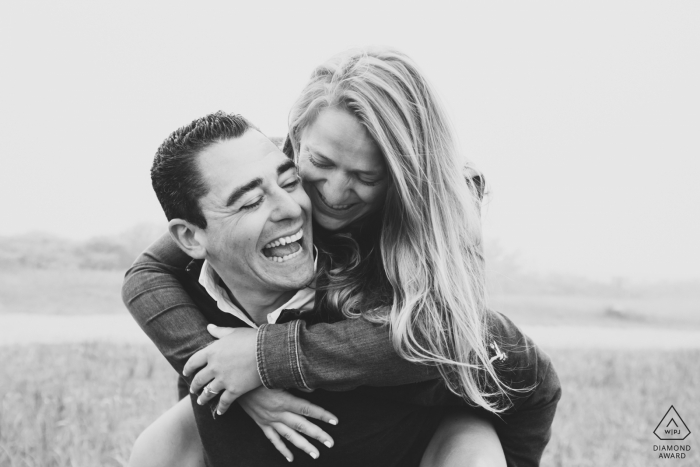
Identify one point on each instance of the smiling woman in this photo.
(342, 167)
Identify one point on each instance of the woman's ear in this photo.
(188, 237)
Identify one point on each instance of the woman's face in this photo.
(342, 167)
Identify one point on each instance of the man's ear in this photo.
(188, 237)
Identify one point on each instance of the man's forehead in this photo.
(238, 160)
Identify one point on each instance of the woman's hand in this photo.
(282, 415)
(229, 366)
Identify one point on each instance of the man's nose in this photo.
(286, 207)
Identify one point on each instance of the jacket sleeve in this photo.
(336, 357)
(525, 430)
(526, 426)
(160, 304)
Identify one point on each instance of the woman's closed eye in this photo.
(370, 182)
(327, 165)
(319, 164)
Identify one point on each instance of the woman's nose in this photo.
(336, 188)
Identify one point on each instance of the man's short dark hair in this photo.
(175, 174)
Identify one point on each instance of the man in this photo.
(235, 204)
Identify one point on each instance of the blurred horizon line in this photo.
(503, 264)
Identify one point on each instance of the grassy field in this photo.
(60, 291)
(83, 405)
(542, 309)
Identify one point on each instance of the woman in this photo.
(403, 234)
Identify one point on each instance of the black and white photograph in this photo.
(354, 234)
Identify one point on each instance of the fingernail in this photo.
(333, 421)
(218, 412)
(200, 402)
(328, 444)
(314, 455)
(288, 459)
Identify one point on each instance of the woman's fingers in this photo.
(199, 359)
(307, 409)
(277, 442)
(202, 377)
(296, 439)
(209, 392)
(219, 332)
(227, 398)
(302, 425)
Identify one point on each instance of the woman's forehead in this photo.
(337, 135)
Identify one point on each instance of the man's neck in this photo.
(256, 303)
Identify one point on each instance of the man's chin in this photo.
(290, 275)
(296, 281)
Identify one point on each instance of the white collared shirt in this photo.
(208, 277)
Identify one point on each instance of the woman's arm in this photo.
(336, 357)
(526, 427)
(160, 305)
(361, 348)
(525, 430)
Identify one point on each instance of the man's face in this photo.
(258, 233)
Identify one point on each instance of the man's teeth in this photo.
(282, 259)
(285, 240)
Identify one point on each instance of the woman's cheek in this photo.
(374, 195)
(307, 171)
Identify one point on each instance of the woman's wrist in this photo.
(277, 354)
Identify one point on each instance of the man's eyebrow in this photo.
(251, 185)
(286, 165)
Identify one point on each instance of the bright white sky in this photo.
(585, 118)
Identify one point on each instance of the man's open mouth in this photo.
(284, 248)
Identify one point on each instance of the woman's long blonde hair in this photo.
(430, 241)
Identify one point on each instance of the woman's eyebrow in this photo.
(316, 152)
(370, 173)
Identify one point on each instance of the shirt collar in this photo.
(302, 300)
